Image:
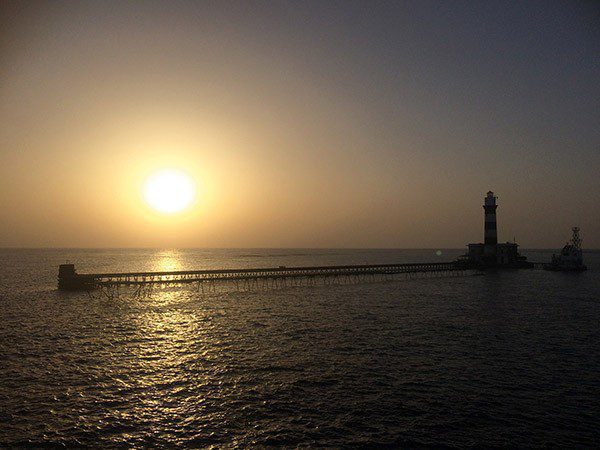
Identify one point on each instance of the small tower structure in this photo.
(570, 257)
(576, 240)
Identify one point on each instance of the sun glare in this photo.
(169, 191)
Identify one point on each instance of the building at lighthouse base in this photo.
(501, 255)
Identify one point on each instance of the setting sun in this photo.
(169, 191)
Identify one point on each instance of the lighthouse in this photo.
(490, 253)
(490, 236)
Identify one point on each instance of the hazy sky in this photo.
(305, 124)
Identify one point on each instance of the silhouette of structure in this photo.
(70, 280)
(491, 253)
(480, 256)
(570, 257)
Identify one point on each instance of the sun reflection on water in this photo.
(168, 261)
(168, 374)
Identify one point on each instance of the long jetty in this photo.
(70, 280)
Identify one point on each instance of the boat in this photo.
(570, 258)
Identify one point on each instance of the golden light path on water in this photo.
(175, 343)
(168, 261)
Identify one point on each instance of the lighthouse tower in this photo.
(489, 253)
(490, 233)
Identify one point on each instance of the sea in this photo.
(504, 359)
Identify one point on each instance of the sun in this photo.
(169, 191)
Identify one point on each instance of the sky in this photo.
(304, 124)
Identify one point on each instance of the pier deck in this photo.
(68, 279)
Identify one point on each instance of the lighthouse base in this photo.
(505, 255)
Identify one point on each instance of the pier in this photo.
(70, 280)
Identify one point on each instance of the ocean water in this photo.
(499, 360)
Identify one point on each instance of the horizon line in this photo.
(265, 248)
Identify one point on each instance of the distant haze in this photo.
(305, 124)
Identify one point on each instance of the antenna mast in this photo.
(576, 240)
